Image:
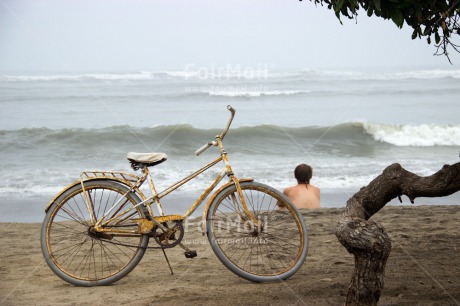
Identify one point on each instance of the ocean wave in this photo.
(249, 93)
(82, 77)
(261, 75)
(422, 74)
(312, 74)
(425, 135)
(41, 161)
(180, 138)
(143, 75)
(38, 188)
(245, 91)
(133, 76)
(330, 175)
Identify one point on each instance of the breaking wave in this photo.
(307, 74)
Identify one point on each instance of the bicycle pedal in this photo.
(190, 254)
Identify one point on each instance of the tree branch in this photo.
(367, 240)
(438, 19)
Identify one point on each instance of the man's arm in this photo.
(285, 192)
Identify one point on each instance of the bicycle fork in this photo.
(238, 189)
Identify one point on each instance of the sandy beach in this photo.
(423, 268)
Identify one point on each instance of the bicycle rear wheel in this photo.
(272, 250)
(75, 251)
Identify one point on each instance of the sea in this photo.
(348, 125)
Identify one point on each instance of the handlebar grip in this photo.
(231, 109)
(203, 148)
(214, 143)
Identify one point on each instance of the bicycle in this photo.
(97, 229)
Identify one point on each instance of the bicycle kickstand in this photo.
(167, 260)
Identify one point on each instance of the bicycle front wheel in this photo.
(271, 249)
(75, 251)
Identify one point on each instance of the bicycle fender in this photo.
(136, 190)
(214, 195)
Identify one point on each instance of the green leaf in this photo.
(406, 4)
(398, 18)
(344, 11)
(377, 5)
(337, 14)
(437, 38)
(339, 6)
(427, 31)
(369, 12)
(414, 34)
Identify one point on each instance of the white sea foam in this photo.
(144, 75)
(313, 74)
(249, 93)
(32, 191)
(310, 74)
(415, 74)
(424, 135)
(424, 74)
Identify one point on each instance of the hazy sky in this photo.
(113, 35)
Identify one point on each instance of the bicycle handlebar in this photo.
(232, 111)
(221, 136)
(203, 148)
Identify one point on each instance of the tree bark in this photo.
(367, 240)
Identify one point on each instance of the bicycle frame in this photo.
(118, 217)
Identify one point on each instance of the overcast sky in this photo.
(114, 35)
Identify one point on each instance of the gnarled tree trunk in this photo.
(367, 240)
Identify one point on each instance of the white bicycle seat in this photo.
(147, 158)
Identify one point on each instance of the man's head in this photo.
(303, 173)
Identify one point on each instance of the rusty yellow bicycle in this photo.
(97, 229)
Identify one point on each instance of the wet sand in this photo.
(423, 268)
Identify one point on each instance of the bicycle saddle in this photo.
(146, 159)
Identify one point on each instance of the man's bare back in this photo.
(303, 195)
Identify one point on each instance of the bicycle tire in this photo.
(74, 253)
(272, 252)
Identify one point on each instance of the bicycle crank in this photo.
(170, 236)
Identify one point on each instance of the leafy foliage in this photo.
(429, 18)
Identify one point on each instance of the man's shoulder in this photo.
(315, 189)
(288, 189)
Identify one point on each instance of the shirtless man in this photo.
(303, 195)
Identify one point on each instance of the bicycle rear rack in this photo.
(128, 178)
